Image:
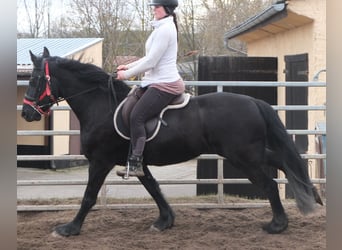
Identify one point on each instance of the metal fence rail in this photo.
(220, 180)
(278, 107)
(82, 157)
(231, 83)
(77, 132)
(161, 182)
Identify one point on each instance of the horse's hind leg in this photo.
(279, 221)
(97, 175)
(166, 215)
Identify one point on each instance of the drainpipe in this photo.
(316, 76)
(227, 46)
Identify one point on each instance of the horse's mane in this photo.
(84, 71)
(90, 73)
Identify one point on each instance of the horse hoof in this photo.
(154, 229)
(56, 235)
(275, 228)
(67, 229)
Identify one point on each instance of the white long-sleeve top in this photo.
(159, 63)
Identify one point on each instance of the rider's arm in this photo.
(159, 41)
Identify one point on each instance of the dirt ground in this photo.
(194, 229)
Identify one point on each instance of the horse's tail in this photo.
(280, 142)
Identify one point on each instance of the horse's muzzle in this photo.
(30, 114)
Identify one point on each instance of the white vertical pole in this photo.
(220, 180)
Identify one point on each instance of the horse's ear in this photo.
(46, 53)
(33, 57)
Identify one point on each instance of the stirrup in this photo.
(134, 168)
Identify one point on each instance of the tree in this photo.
(189, 44)
(203, 24)
(101, 18)
(222, 15)
(37, 14)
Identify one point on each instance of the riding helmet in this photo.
(171, 3)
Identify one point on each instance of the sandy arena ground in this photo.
(129, 228)
(193, 229)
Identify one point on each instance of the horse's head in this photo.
(38, 98)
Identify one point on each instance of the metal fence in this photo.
(220, 181)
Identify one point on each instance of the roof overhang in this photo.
(273, 20)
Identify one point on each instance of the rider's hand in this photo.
(120, 75)
(122, 67)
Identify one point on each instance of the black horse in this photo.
(244, 130)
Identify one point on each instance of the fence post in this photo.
(103, 198)
(220, 178)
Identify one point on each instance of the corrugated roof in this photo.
(61, 47)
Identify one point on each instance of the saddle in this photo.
(152, 126)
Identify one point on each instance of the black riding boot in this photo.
(134, 165)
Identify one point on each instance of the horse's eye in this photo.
(34, 81)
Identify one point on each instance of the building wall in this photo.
(91, 54)
(61, 119)
(24, 125)
(311, 39)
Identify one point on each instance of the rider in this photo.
(161, 82)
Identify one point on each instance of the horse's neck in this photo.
(94, 102)
(87, 92)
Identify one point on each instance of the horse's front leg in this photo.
(166, 215)
(97, 175)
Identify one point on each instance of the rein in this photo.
(112, 94)
(60, 99)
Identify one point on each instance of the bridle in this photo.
(47, 93)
